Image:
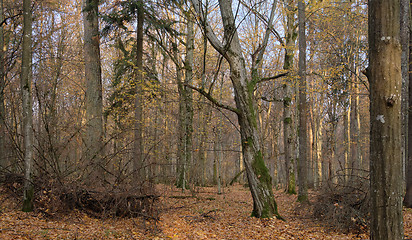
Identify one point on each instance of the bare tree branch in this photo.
(261, 17)
(273, 77)
(213, 100)
(208, 31)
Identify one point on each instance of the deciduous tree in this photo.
(385, 80)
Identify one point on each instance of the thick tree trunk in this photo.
(303, 112)
(385, 115)
(408, 153)
(138, 164)
(27, 106)
(94, 102)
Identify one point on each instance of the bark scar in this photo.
(390, 101)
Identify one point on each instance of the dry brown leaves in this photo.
(200, 215)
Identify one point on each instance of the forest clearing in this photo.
(202, 215)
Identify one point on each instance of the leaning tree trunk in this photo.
(260, 182)
(94, 102)
(385, 80)
(27, 106)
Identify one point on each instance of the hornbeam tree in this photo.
(260, 182)
(27, 106)
(385, 81)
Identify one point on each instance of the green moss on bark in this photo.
(287, 101)
(303, 198)
(287, 120)
(28, 200)
(292, 184)
(261, 170)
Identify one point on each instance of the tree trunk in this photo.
(27, 106)
(355, 127)
(404, 38)
(318, 151)
(3, 158)
(138, 164)
(260, 182)
(347, 135)
(186, 110)
(303, 113)
(408, 153)
(94, 102)
(385, 115)
(290, 39)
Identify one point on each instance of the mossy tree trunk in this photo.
(27, 107)
(290, 44)
(260, 182)
(385, 80)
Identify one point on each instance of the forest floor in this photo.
(200, 215)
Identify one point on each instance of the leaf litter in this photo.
(197, 214)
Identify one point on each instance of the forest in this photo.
(205, 119)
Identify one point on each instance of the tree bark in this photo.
(408, 144)
(27, 106)
(303, 113)
(385, 115)
(186, 109)
(288, 141)
(404, 35)
(94, 102)
(3, 158)
(139, 171)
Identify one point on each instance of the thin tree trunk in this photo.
(385, 115)
(303, 135)
(291, 36)
(404, 38)
(27, 106)
(186, 110)
(138, 164)
(188, 96)
(347, 135)
(318, 154)
(310, 144)
(355, 128)
(3, 157)
(220, 144)
(94, 102)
